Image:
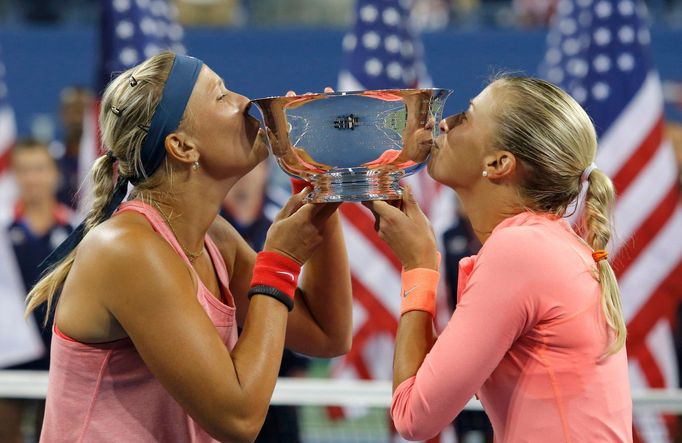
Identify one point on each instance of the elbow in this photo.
(412, 430)
(410, 425)
(341, 345)
(341, 342)
(335, 346)
(413, 433)
(237, 431)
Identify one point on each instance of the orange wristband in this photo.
(419, 290)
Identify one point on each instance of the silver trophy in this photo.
(354, 146)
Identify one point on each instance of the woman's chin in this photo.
(430, 166)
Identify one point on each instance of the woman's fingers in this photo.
(327, 90)
(322, 211)
(295, 202)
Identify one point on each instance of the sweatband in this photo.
(419, 287)
(276, 276)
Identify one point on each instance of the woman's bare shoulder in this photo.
(127, 245)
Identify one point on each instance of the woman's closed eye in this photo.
(456, 120)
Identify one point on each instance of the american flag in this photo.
(8, 135)
(598, 50)
(382, 52)
(133, 30)
(19, 339)
(130, 32)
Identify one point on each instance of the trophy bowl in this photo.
(353, 146)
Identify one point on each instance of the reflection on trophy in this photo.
(353, 146)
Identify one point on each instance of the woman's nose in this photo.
(243, 101)
(430, 123)
(443, 125)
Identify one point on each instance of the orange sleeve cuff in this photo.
(419, 290)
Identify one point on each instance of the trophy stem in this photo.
(356, 186)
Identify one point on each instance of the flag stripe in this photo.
(661, 339)
(652, 266)
(372, 268)
(646, 232)
(644, 194)
(364, 223)
(5, 159)
(633, 125)
(662, 304)
(631, 168)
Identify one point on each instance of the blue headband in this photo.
(168, 113)
(166, 119)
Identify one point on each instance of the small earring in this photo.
(485, 173)
(195, 165)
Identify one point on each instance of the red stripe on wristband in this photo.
(276, 270)
(297, 185)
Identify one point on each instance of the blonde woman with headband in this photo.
(145, 345)
(538, 333)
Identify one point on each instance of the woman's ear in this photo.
(181, 148)
(500, 165)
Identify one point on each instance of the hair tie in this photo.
(586, 173)
(111, 156)
(117, 111)
(133, 81)
(599, 255)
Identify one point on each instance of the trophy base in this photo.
(355, 186)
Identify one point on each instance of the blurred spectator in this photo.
(250, 207)
(534, 12)
(40, 11)
(299, 12)
(73, 103)
(209, 12)
(40, 224)
(434, 14)
(459, 241)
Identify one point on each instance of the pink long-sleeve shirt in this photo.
(528, 337)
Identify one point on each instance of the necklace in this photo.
(190, 256)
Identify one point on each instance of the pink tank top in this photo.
(104, 392)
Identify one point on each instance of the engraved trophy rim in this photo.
(344, 93)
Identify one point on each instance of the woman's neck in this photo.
(189, 208)
(39, 215)
(486, 210)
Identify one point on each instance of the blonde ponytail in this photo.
(597, 230)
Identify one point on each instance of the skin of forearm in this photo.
(258, 352)
(414, 340)
(328, 294)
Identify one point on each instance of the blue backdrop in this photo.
(260, 62)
